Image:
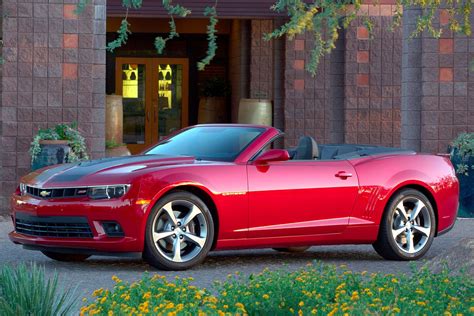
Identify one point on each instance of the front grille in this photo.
(53, 226)
(56, 193)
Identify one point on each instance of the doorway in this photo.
(155, 98)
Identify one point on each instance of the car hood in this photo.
(116, 170)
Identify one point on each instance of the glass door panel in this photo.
(170, 98)
(134, 103)
(155, 98)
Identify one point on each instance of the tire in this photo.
(293, 249)
(179, 232)
(65, 257)
(407, 228)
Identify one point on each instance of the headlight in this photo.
(22, 189)
(107, 192)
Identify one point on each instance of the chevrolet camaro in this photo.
(224, 186)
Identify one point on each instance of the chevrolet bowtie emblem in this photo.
(45, 193)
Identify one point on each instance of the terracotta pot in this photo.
(53, 152)
(255, 111)
(114, 119)
(117, 151)
(212, 110)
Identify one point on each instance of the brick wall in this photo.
(439, 92)
(261, 60)
(373, 80)
(54, 71)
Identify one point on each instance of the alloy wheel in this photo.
(179, 231)
(411, 225)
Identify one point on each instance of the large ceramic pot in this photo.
(114, 119)
(117, 151)
(466, 185)
(53, 152)
(255, 111)
(212, 110)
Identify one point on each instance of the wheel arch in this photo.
(204, 196)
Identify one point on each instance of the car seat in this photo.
(307, 149)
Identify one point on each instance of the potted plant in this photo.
(60, 144)
(462, 156)
(212, 103)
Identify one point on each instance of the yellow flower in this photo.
(147, 295)
(239, 305)
(97, 292)
(102, 300)
(300, 312)
(385, 308)
(471, 309)
(116, 279)
(300, 304)
(265, 296)
(394, 280)
(418, 291)
(331, 313)
(396, 310)
(421, 303)
(314, 311)
(110, 313)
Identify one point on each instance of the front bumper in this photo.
(129, 216)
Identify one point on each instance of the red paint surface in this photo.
(286, 203)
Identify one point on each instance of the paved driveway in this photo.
(97, 271)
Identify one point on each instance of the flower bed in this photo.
(316, 289)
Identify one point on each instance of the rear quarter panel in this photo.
(381, 177)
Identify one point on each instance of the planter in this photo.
(114, 119)
(53, 152)
(466, 185)
(255, 111)
(212, 110)
(117, 151)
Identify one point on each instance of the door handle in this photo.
(343, 175)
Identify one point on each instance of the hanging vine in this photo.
(323, 18)
(211, 36)
(178, 10)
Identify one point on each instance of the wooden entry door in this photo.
(155, 98)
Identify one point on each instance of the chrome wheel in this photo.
(179, 231)
(407, 227)
(411, 225)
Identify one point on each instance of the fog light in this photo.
(113, 229)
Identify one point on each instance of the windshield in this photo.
(215, 143)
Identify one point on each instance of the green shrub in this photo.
(316, 289)
(25, 291)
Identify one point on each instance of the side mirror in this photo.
(272, 155)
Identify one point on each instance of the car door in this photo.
(289, 198)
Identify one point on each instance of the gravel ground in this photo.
(97, 271)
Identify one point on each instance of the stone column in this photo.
(411, 83)
(54, 72)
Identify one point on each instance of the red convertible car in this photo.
(214, 187)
